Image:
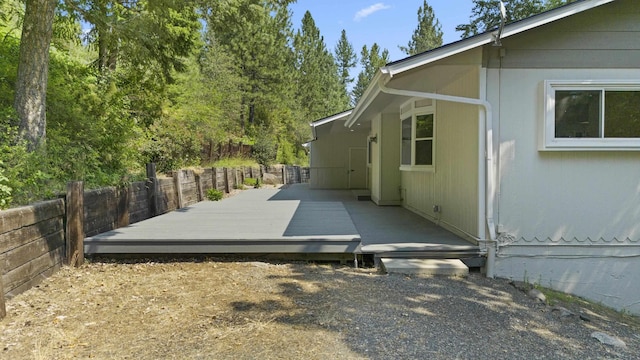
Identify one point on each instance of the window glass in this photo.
(424, 126)
(406, 141)
(578, 114)
(424, 152)
(622, 114)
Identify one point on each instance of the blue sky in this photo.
(389, 23)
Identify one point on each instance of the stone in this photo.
(537, 294)
(563, 312)
(269, 179)
(608, 339)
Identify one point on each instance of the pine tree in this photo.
(346, 60)
(428, 34)
(319, 87)
(33, 70)
(371, 60)
(486, 14)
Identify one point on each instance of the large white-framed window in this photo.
(592, 115)
(418, 131)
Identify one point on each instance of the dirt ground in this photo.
(230, 309)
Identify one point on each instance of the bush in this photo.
(214, 195)
(251, 182)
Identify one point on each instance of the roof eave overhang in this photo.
(384, 75)
(489, 37)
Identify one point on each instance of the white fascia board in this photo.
(331, 118)
(488, 37)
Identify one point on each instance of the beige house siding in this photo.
(569, 220)
(453, 185)
(329, 161)
(605, 37)
(385, 173)
(579, 197)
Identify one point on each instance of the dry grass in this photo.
(226, 309)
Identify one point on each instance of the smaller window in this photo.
(592, 115)
(418, 134)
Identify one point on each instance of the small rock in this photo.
(520, 285)
(563, 312)
(584, 317)
(537, 294)
(608, 339)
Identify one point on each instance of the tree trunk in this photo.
(33, 69)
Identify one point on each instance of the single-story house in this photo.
(338, 155)
(526, 141)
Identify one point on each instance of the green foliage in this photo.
(485, 14)
(234, 162)
(346, 59)
(5, 190)
(254, 182)
(214, 195)
(265, 149)
(319, 88)
(371, 60)
(428, 34)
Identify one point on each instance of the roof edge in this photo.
(514, 28)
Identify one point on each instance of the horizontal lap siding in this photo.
(604, 37)
(31, 244)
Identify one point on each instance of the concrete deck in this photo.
(293, 219)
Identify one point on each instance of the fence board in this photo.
(19, 237)
(25, 275)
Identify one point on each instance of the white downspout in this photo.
(489, 169)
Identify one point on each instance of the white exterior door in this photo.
(357, 168)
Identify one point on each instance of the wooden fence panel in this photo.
(138, 202)
(31, 244)
(189, 187)
(167, 197)
(100, 210)
(207, 181)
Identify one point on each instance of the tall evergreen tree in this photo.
(319, 88)
(346, 59)
(428, 34)
(257, 33)
(33, 70)
(371, 60)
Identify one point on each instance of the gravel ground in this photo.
(223, 309)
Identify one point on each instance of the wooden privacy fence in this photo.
(36, 240)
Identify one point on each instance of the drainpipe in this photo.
(489, 170)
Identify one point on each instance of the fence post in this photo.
(152, 189)
(284, 174)
(214, 178)
(75, 223)
(199, 187)
(177, 180)
(122, 209)
(226, 180)
(3, 307)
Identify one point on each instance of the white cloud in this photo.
(363, 13)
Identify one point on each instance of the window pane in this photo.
(406, 141)
(622, 114)
(424, 126)
(578, 114)
(424, 152)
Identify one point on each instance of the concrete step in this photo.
(445, 267)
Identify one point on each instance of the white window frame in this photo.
(414, 112)
(551, 143)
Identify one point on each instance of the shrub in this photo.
(214, 195)
(251, 181)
